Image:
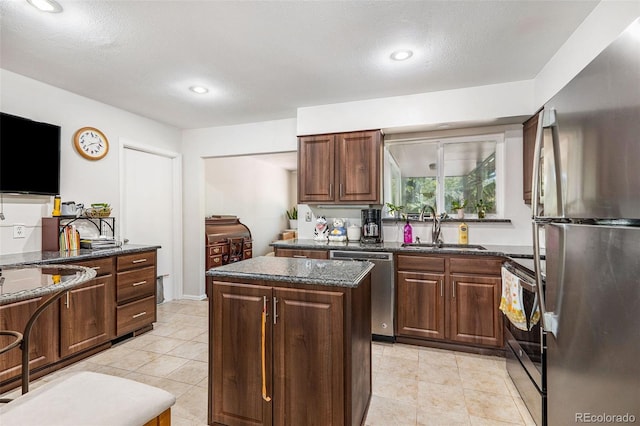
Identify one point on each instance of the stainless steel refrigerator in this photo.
(586, 206)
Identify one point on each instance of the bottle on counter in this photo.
(56, 206)
(408, 233)
(463, 233)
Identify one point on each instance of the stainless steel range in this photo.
(526, 349)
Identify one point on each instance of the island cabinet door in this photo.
(308, 358)
(236, 370)
(475, 314)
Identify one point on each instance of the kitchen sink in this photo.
(443, 246)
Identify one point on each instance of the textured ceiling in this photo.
(264, 59)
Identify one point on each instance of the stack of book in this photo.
(98, 243)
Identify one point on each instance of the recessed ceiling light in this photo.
(401, 55)
(200, 90)
(46, 5)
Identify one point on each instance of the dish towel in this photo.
(511, 300)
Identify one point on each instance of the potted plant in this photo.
(459, 206)
(394, 210)
(292, 215)
(481, 207)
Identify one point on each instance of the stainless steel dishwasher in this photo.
(382, 290)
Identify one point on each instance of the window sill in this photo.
(449, 220)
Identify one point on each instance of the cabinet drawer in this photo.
(214, 261)
(102, 266)
(136, 260)
(247, 254)
(135, 315)
(247, 245)
(420, 263)
(311, 254)
(218, 249)
(135, 284)
(476, 265)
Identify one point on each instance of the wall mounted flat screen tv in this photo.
(29, 156)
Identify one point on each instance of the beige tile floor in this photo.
(411, 385)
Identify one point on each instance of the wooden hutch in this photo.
(227, 241)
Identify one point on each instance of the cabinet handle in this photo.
(140, 314)
(139, 261)
(67, 302)
(299, 256)
(138, 283)
(216, 260)
(330, 190)
(275, 310)
(341, 192)
(441, 288)
(263, 349)
(453, 289)
(95, 268)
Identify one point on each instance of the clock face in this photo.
(91, 143)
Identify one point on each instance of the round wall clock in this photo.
(91, 143)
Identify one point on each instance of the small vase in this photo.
(460, 213)
(293, 223)
(481, 213)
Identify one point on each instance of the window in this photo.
(437, 172)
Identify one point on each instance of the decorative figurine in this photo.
(339, 232)
(321, 232)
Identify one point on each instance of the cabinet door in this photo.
(528, 144)
(421, 305)
(43, 345)
(316, 173)
(474, 310)
(236, 367)
(358, 161)
(86, 318)
(308, 358)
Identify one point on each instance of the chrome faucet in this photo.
(436, 224)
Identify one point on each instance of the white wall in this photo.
(199, 144)
(254, 191)
(470, 104)
(81, 180)
(607, 20)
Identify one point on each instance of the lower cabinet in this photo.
(135, 292)
(120, 300)
(43, 348)
(451, 299)
(86, 312)
(306, 342)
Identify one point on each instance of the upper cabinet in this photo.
(340, 168)
(528, 147)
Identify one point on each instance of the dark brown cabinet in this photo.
(86, 312)
(135, 292)
(452, 299)
(310, 339)
(340, 168)
(529, 129)
(310, 254)
(43, 344)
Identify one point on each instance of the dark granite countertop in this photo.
(46, 257)
(28, 281)
(337, 273)
(512, 251)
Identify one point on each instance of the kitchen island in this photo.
(290, 342)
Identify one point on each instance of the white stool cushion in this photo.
(87, 399)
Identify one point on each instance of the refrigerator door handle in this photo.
(535, 177)
(551, 121)
(538, 274)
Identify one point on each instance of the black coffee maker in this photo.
(371, 226)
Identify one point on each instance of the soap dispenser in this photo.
(408, 233)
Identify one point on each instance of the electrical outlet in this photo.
(307, 217)
(19, 231)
